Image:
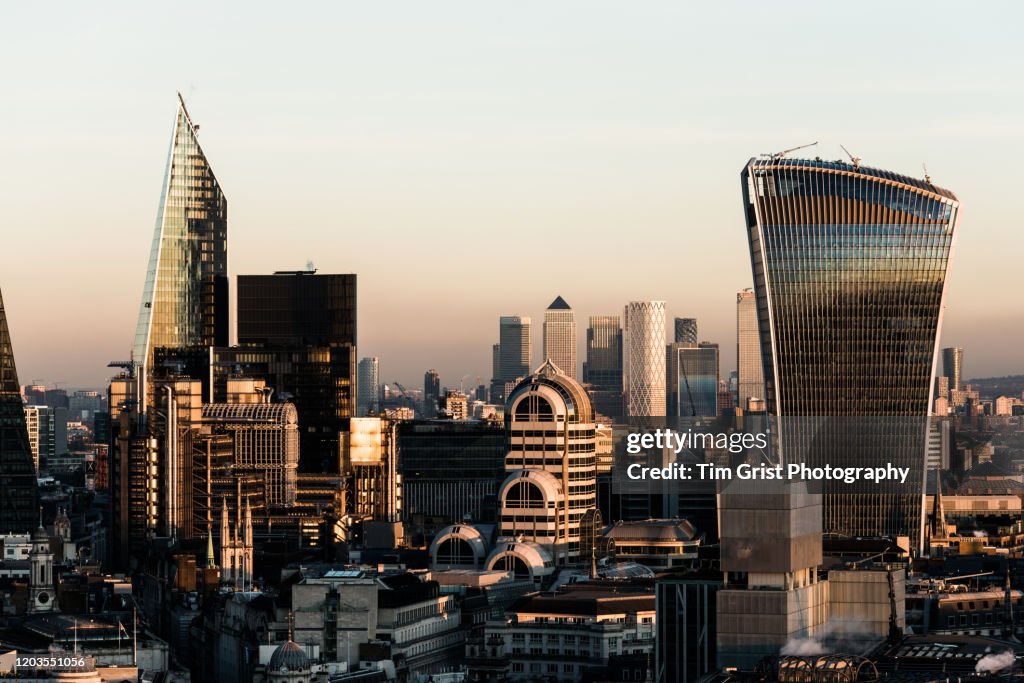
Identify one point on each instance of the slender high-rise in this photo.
(602, 371)
(511, 354)
(368, 386)
(952, 365)
(643, 371)
(749, 369)
(560, 336)
(19, 493)
(185, 297)
(850, 265)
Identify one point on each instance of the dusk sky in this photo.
(469, 160)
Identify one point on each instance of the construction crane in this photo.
(779, 155)
(853, 159)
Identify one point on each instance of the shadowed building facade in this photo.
(19, 498)
(850, 265)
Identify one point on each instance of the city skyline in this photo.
(496, 146)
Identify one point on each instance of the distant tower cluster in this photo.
(560, 336)
(644, 359)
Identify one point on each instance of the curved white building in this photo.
(643, 359)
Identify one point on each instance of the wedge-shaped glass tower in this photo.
(850, 265)
(19, 495)
(185, 298)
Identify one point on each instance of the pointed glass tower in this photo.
(185, 298)
(19, 495)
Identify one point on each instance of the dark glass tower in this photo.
(19, 498)
(849, 266)
(297, 332)
(185, 297)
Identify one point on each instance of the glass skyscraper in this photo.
(185, 297)
(850, 265)
(19, 494)
(602, 370)
(560, 336)
(696, 380)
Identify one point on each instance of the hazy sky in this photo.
(470, 159)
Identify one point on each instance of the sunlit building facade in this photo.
(560, 336)
(750, 372)
(850, 265)
(185, 297)
(551, 472)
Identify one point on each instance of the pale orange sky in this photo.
(470, 160)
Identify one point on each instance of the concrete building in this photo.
(771, 548)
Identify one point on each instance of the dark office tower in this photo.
(602, 370)
(297, 332)
(431, 392)
(19, 498)
(185, 297)
(952, 365)
(849, 266)
(686, 331)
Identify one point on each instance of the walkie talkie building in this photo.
(850, 265)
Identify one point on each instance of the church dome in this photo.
(289, 657)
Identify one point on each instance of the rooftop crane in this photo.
(853, 159)
(779, 155)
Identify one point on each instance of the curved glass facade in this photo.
(185, 297)
(849, 268)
